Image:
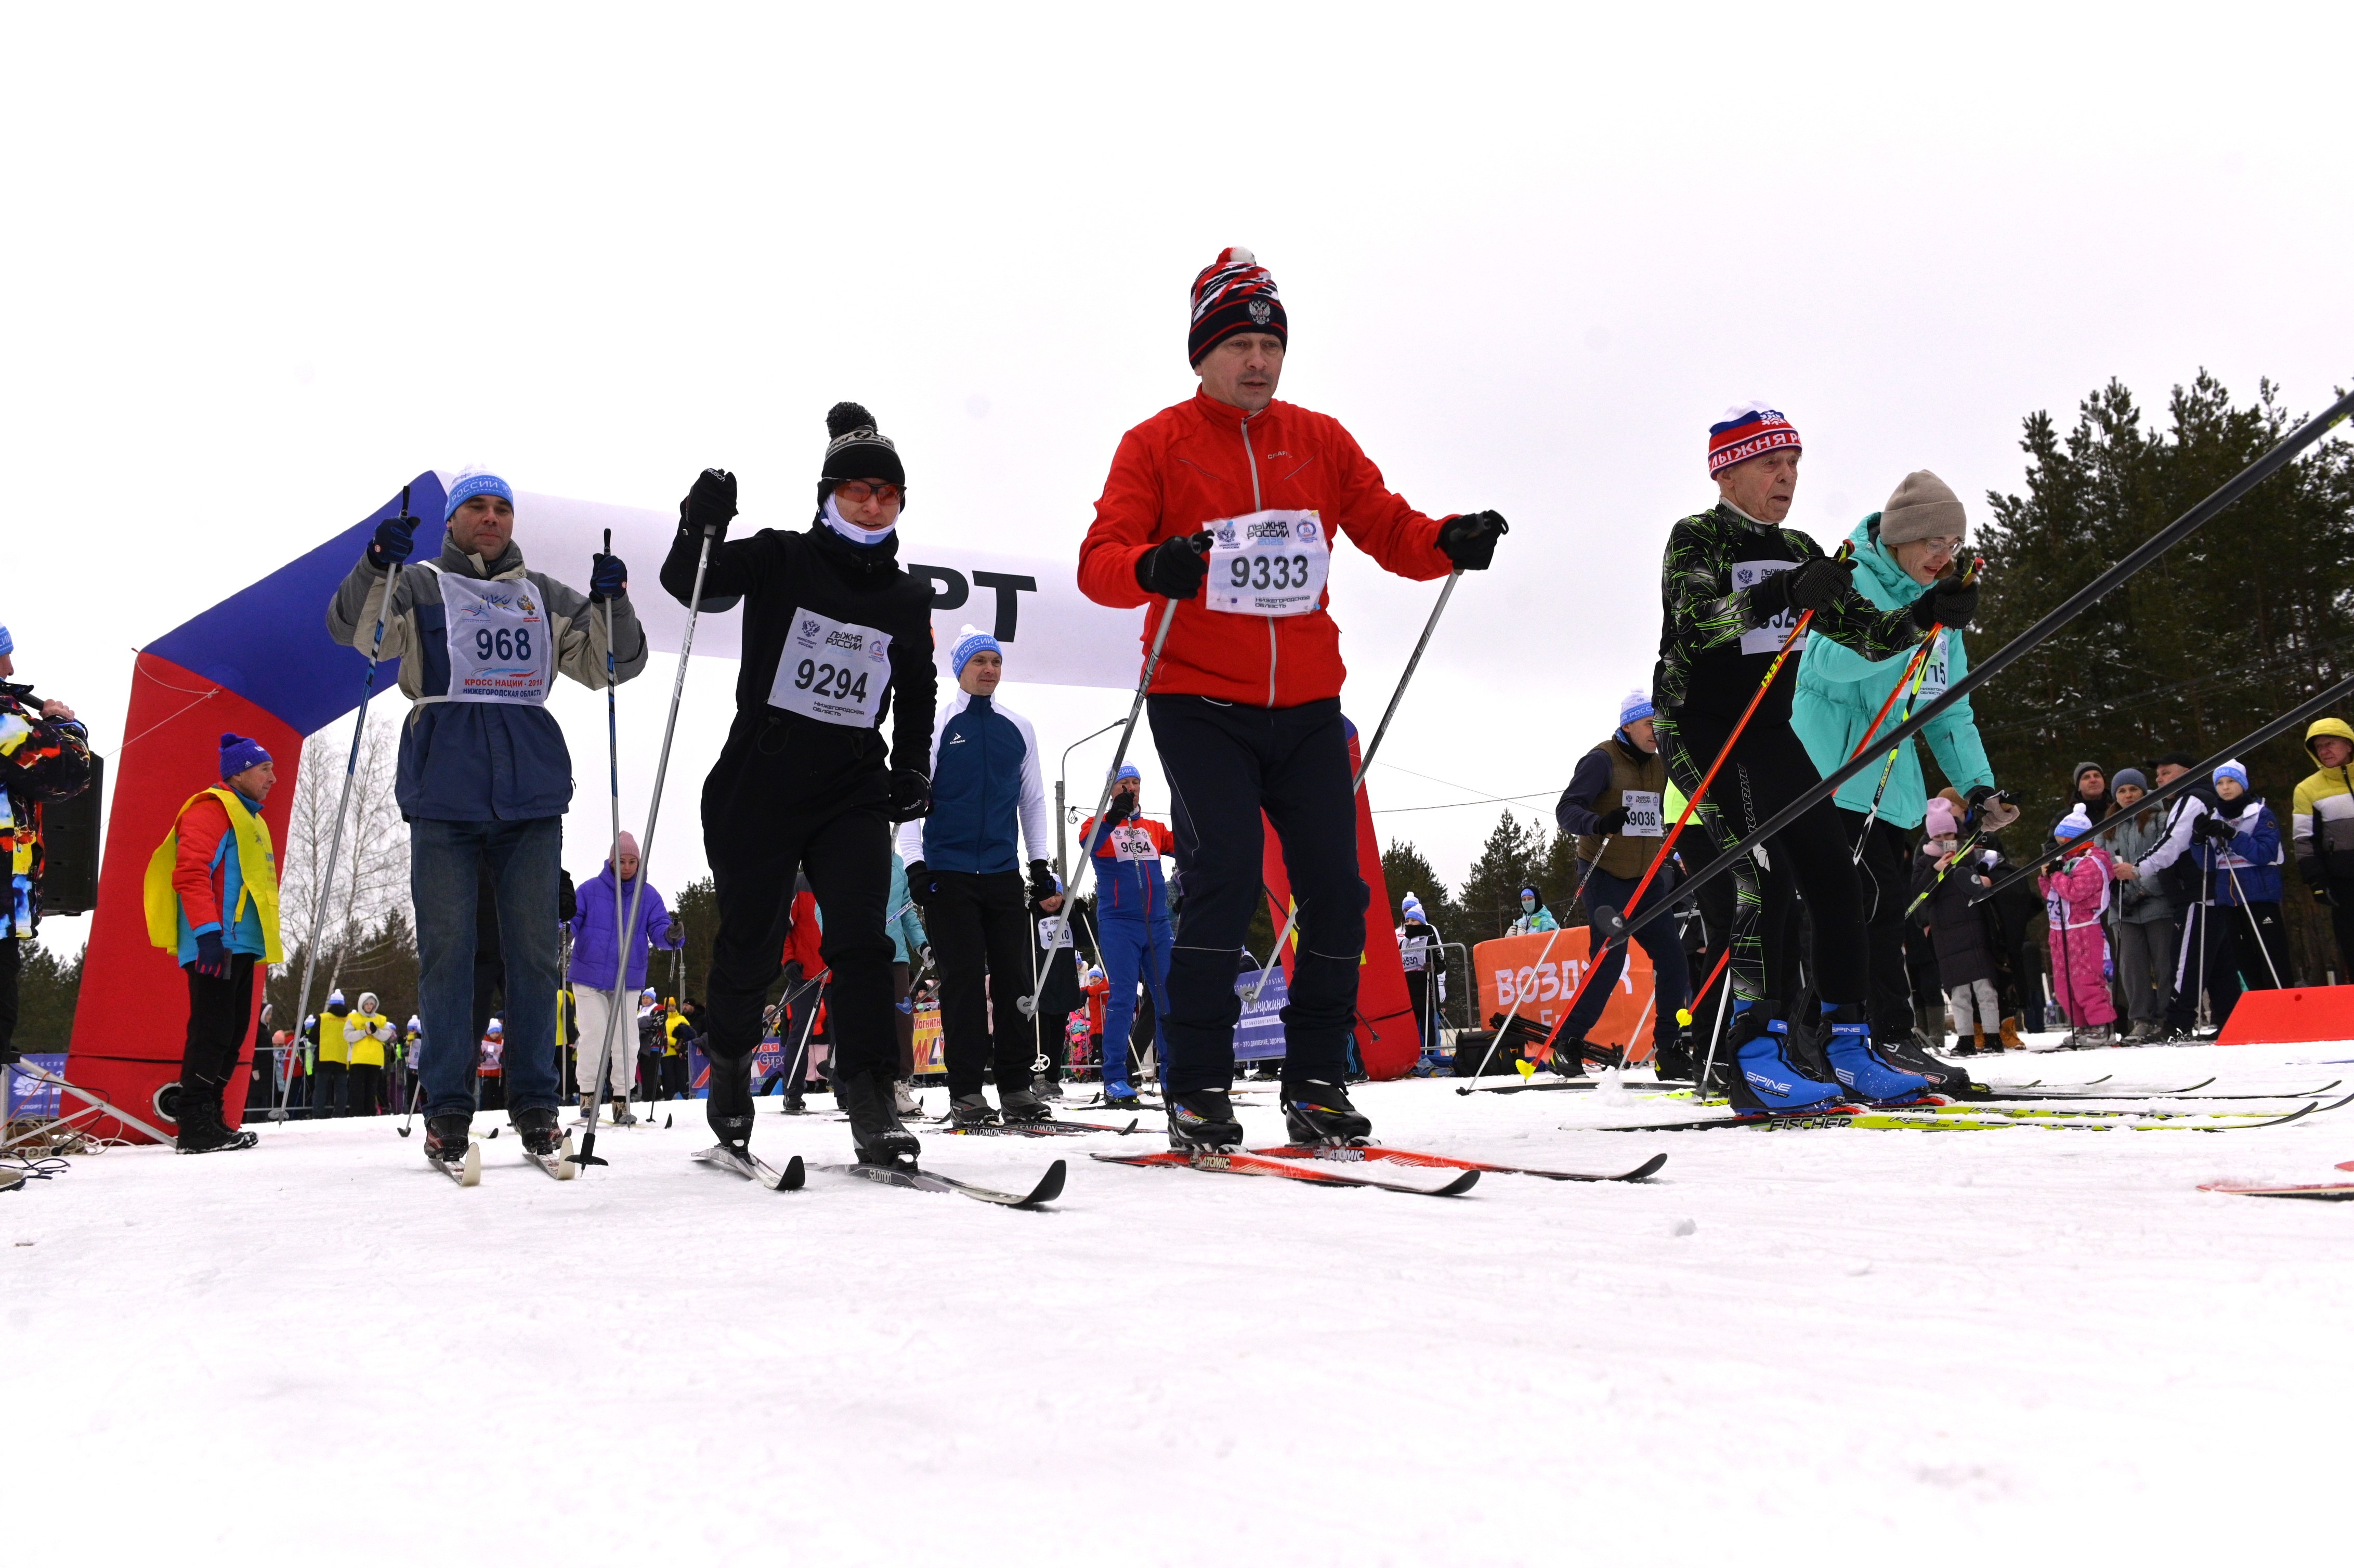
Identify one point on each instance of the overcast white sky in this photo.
(266, 263)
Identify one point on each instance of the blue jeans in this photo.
(445, 869)
(1127, 945)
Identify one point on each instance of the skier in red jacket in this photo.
(1227, 504)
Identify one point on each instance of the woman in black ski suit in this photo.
(836, 639)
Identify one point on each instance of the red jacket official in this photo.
(1202, 460)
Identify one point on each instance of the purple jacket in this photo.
(593, 947)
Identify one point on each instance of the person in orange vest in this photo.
(212, 900)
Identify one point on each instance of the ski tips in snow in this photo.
(466, 1172)
(752, 1168)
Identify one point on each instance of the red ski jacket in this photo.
(1203, 460)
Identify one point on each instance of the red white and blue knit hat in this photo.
(1747, 431)
(1233, 295)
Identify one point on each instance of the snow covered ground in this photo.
(2039, 1345)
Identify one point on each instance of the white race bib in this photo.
(498, 642)
(1934, 676)
(1642, 813)
(1268, 562)
(1133, 843)
(831, 671)
(1054, 931)
(1766, 638)
(1413, 955)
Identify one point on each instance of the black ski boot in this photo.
(1021, 1105)
(446, 1136)
(537, 1126)
(1319, 1113)
(729, 1108)
(1906, 1056)
(1671, 1057)
(877, 1134)
(1203, 1122)
(202, 1131)
(972, 1110)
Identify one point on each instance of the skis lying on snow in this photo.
(2324, 1192)
(752, 1168)
(1057, 1128)
(1356, 1152)
(1897, 1118)
(1241, 1164)
(1557, 1085)
(467, 1171)
(1049, 1187)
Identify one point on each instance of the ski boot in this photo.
(1863, 1070)
(904, 1103)
(588, 1112)
(1764, 1078)
(1671, 1056)
(202, 1131)
(794, 1105)
(537, 1126)
(1022, 1106)
(1117, 1095)
(1203, 1122)
(875, 1133)
(972, 1110)
(623, 1115)
(1049, 1089)
(1906, 1056)
(729, 1107)
(446, 1136)
(1319, 1113)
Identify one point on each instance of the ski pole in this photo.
(2041, 632)
(588, 1155)
(1724, 1006)
(2240, 894)
(320, 889)
(1615, 928)
(2313, 707)
(809, 1026)
(1365, 758)
(1127, 733)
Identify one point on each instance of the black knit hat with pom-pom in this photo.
(858, 451)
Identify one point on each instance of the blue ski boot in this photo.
(1767, 1080)
(1864, 1074)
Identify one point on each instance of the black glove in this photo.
(212, 956)
(1042, 882)
(919, 884)
(1819, 583)
(1611, 822)
(1123, 806)
(1978, 795)
(1469, 541)
(1175, 567)
(2309, 867)
(2213, 829)
(607, 578)
(568, 898)
(911, 794)
(711, 504)
(1949, 602)
(394, 537)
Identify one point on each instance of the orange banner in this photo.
(1510, 967)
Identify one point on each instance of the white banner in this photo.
(1053, 634)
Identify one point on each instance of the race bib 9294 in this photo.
(831, 671)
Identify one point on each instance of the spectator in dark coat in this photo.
(1965, 945)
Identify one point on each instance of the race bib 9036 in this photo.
(1643, 820)
(1268, 562)
(831, 671)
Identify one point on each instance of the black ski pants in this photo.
(980, 928)
(1226, 764)
(1662, 940)
(1764, 772)
(2341, 924)
(765, 823)
(2208, 954)
(220, 1007)
(1885, 873)
(366, 1083)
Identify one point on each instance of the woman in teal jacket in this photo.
(1898, 551)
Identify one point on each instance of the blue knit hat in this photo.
(469, 485)
(238, 754)
(1635, 704)
(2233, 769)
(7, 643)
(971, 641)
(1127, 770)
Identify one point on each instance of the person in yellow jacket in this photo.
(331, 1076)
(212, 900)
(367, 1033)
(2322, 831)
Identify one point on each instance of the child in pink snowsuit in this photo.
(2075, 896)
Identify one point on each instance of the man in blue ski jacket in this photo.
(1132, 927)
(965, 874)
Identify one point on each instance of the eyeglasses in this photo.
(1942, 547)
(858, 492)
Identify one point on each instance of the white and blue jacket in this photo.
(985, 780)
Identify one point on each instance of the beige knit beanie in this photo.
(1923, 507)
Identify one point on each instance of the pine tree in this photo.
(1490, 897)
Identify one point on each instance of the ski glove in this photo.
(607, 578)
(1950, 602)
(911, 794)
(710, 507)
(1175, 567)
(1042, 882)
(919, 884)
(2213, 829)
(1817, 584)
(1469, 541)
(1123, 806)
(212, 956)
(1611, 822)
(394, 537)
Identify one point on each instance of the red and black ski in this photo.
(1241, 1164)
(1366, 1152)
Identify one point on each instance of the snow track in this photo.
(1910, 1341)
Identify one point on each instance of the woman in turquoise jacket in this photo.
(1898, 551)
